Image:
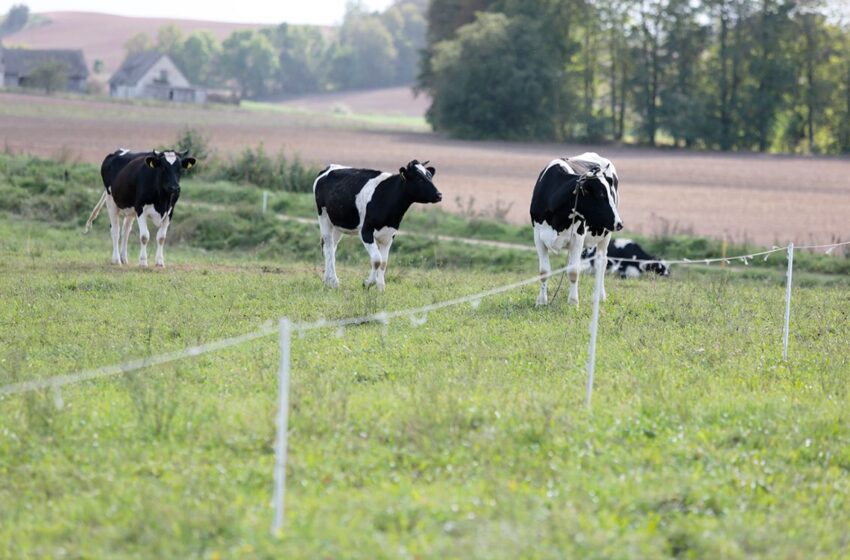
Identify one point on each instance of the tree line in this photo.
(369, 49)
(766, 75)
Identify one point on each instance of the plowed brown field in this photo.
(763, 199)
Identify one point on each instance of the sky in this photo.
(319, 12)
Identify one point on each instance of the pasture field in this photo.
(463, 437)
(742, 197)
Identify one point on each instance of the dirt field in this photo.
(757, 198)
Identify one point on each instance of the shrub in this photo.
(278, 173)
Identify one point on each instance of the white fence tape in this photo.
(416, 316)
(142, 363)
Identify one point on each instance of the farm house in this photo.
(153, 75)
(18, 67)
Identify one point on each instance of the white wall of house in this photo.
(172, 73)
(163, 81)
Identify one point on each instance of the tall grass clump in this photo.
(252, 166)
(273, 172)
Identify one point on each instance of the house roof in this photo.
(135, 67)
(23, 61)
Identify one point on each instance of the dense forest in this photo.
(369, 50)
(766, 75)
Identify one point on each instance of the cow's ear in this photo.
(150, 162)
(403, 172)
(432, 171)
(189, 163)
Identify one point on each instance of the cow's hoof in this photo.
(116, 261)
(542, 301)
(160, 265)
(573, 301)
(143, 264)
(381, 288)
(332, 283)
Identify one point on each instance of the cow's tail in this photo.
(97, 208)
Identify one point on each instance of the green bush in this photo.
(275, 173)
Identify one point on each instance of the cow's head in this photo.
(169, 167)
(419, 181)
(660, 268)
(598, 199)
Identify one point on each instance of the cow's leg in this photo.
(574, 265)
(330, 238)
(384, 248)
(114, 230)
(160, 241)
(368, 239)
(125, 237)
(545, 268)
(602, 261)
(144, 237)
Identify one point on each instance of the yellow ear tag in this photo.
(189, 165)
(151, 165)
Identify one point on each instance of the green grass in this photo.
(355, 120)
(464, 437)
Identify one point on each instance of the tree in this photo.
(301, 51)
(365, 55)
(139, 42)
(197, 56)
(496, 79)
(249, 58)
(169, 40)
(50, 75)
(16, 19)
(405, 21)
(683, 110)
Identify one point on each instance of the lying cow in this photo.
(628, 259)
(371, 204)
(138, 185)
(574, 203)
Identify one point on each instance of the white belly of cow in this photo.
(554, 240)
(151, 212)
(385, 234)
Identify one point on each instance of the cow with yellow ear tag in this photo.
(138, 185)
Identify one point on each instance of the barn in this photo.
(153, 75)
(19, 67)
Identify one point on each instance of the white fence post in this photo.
(282, 425)
(265, 201)
(594, 326)
(788, 278)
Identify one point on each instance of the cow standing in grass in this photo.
(370, 204)
(138, 185)
(575, 201)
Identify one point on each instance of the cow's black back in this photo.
(114, 163)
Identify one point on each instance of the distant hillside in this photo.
(102, 36)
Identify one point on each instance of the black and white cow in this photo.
(628, 259)
(575, 200)
(371, 204)
(138, 185)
